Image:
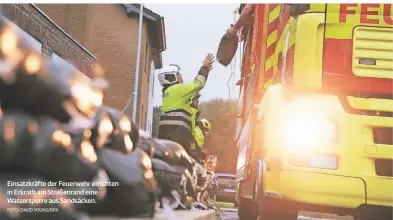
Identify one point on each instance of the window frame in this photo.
(37, 44)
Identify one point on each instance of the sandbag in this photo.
(135, 195)
(168, 179)
(39, 146)
(226, 50)
(181, 156)
(124, 136)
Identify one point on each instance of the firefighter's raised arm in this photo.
(245, 17)
(191, 88)
(205, 69)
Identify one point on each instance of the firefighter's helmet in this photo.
(168, 75)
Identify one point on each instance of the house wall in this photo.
(107, 31)
(51, 37)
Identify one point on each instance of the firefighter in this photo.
(175, 121)
(194, 118)
(201, 129)
(246, 12)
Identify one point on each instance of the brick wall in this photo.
(34, 22)
(107, 31)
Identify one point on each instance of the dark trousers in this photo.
(176, 133)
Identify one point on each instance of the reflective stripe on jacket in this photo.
(178, 117)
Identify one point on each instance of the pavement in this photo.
(177, 215)
(228, 211)
(229, 214)
(303, 215)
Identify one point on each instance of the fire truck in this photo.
(316, 112)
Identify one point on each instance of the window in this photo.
(141, 120)
(148, 67)
(145, 122)
(58, 60)
(147, 60)
(36, 44)
(152, 77)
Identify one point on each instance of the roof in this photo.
(158, 25)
